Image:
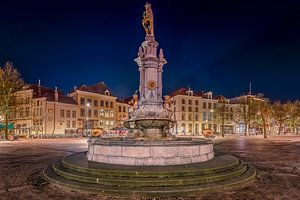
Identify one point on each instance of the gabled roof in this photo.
(98, 88)
(183, 91)
(48, 93)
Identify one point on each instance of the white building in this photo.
(193, 111)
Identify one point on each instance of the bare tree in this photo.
(246, 112)
(293, 120)
(264, 112)
(281, 113)
(223, 114)
(10, 82)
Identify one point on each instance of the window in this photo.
(106, 92)
(204, 105)
(197, 128)
(120, 109)
(111, 123)
(190, 108)
(82, 112)
(196, 109)
(106, 104)
(209, 105)
(124, 109)
(196, 102)
(102, 113)
(62, 113)
(209, 116)
(204, 116)
(73, 124)
(209, 126)
(101, 123)
(196, 117)
(190, 128)
(190, 102)
(27, 112)
(203, 126)
(21, 112)
(183, 109)
(95, 113)
(111, 104)
(215, 105)
(89, 101)
(95, 103)
(102, 103)
(106, 113)
(68, 114)
(182, 101)
(68, 124)
(183, 117)
(215, 127)
(183, 127)
(89, 112)
(74, 114)
(82, 101)
(190, 117)
(27, 100)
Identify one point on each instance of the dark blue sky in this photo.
(211, 45)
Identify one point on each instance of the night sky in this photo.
(209, 45)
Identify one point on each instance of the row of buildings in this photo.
(42, 110)
(93, 108)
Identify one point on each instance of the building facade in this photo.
(194, 112)
(43, 111)
(98, 109)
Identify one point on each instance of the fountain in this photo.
(151, 162)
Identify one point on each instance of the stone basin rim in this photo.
(166, 143)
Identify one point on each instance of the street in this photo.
(277, 160)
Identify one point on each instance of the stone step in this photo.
(147, 181)
(247, 177)
(78, 162)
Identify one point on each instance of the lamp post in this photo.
(87, 118)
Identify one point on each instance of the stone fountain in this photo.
(151, 119)
(151, 162)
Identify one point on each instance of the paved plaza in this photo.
(277, 160)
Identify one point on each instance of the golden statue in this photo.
(169, 103)
(148, 20)
(133, 102)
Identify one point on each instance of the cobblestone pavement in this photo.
(277, 160)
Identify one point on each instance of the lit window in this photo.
(68, 114)
(62, 113)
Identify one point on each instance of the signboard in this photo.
(10, 126)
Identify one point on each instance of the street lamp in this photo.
(87, 118)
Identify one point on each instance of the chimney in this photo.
(56, 94)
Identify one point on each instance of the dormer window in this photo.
(209, 95)
(106, 92)
(190, 92)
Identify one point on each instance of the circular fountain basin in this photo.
(150, 153)
(154, 128)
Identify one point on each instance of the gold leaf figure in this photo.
(148, 20)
